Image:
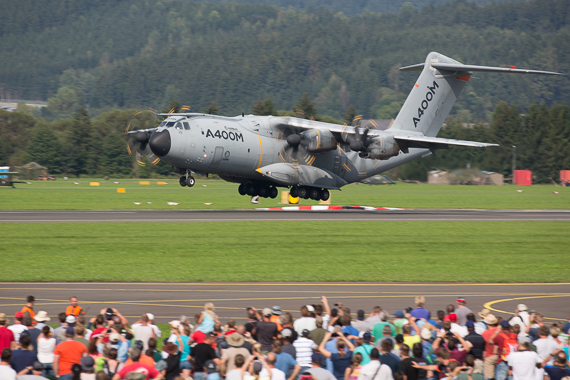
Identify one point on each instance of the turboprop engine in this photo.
(380, 148)
(318, 141)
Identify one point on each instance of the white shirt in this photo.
(304, 348)
(155, 328)
(235, 374)
(45, 350)
(276, 374)
(367, 372)
(545, 347)
(304, 323)
(522, 320)
(523, 364)
(7, 373)
(17, 330)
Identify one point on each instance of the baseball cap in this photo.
(38, 366)
(399, 314)
(504, 324)
(150, 316)
(317, 357)
(277, 310)
(360, 314)
(461, 300)
(87, 363)
(114, 337)
(286, 333)
(425, 334)
(310, 308)
(139, 344)
(70, 319)
(367, 336)
(257, 367)
(19, 315)
(522, 307)
(305, 333)
(175, 324)
(267, 312)
(211, 366)
(453, 317)
(469, 324)
(70, 331)
(523, 339)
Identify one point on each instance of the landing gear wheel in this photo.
(242, 189)
(294, 192)
(314, 194)
(182, 181)
(273, 192)
(303, 193)
(251, 190)
(264, 191)
(190, 181)
(325, 195)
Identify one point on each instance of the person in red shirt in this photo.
(66, 354)
(504, 340)
(490, 356)
(6, 335)
(100, 327)
(151, 373)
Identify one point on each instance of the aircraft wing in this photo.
(475, 68)
(418, 141)
(142, 130)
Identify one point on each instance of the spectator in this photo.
(110, 365)
(441, 368)
(100, 326)
(410, 373)
(340, 360)
(235, 342)
(6, 371)
(319, 332)
(144, 331)
(120, 343)
(419, 312)
(324, 311)
(427, 347)
(80, 335)
(41, 319)
(201, 353)
(521, 318)
(378, 330)
(559, 367)
(265, 330)
(208, 319)
(374, 317)
(476, 340)
(410, 339)
(386, 335)
(545, 345)
(285, 362)
(481, 326)
(62, 325)
(506, 342)
(375, 370)
(420, 358)
(23, 358)
(523, 362)
(18, 327)
(353, 370)
(306, 322)
(150, 316)
(469, 370)
(365, 349)
(66, 354)
(276, 374)
(566, 327)
(399, 321)
(74, 309)
(7, 339)
(490, 355)
(36, 373)
(462, 311)
(236, 373)
(304, 348)
(251, 320)
(456, 327)
(212, 371)
(172, 361)
(388, 358)
(28, 309)
(316, 371)
(360, 324)
(275, 314)
(143, 359)
(87, 368)
(46, 347)
(288, 338)
(136, 366)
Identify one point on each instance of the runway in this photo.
(168, 301)
(257, 215)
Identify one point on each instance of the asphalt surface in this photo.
(168, 301)
(258, 215)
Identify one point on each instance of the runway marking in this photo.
(287, 284)
(489, 304)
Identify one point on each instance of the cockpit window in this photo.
(186, 125)
(170, 124)
(179, 126)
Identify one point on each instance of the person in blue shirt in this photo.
(340, 360)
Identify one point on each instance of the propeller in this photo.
(358, 141)
(294, 151)
(141, 120)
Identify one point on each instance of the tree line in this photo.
(96, 146)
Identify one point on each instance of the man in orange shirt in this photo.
(74, 309)
(144, 359)
(490, 355)
(28, 310)
(66, 354)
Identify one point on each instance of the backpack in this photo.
(509, 345)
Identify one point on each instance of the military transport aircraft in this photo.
(262, 153)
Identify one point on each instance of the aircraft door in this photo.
(218, 153)
(339, 165)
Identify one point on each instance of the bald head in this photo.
(271, 359)
(241, 329)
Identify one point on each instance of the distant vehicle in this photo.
(261, 153)
(6, 179)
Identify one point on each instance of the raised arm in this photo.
(466, 345)
(322, 349)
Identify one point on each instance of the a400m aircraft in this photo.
(262, 153)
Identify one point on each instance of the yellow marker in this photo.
(284, 197)
(94, 184)
(293, 200)
(144, 183)
(160, 183)
(121, 190)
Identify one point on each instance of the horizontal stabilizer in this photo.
(141, 130)
(416, 141)
(475, 68)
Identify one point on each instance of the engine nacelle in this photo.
(381, 148)
(318, 141)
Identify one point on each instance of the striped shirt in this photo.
(304, 348)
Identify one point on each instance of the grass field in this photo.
(286, 251)
(65, 195)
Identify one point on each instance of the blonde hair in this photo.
(420, 301)
(210, 309)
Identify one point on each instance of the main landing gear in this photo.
(307, 192)
(187, 181)
(263, 191)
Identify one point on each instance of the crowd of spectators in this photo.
(321, 344)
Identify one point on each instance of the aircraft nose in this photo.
(160, 143)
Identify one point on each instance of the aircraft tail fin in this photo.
(436, 90)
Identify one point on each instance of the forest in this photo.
(96, 62)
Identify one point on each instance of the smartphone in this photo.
(336, 304)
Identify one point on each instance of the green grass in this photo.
(65, 195)
(286, 251)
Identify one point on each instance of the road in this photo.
(255, 215)
(171, 300)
